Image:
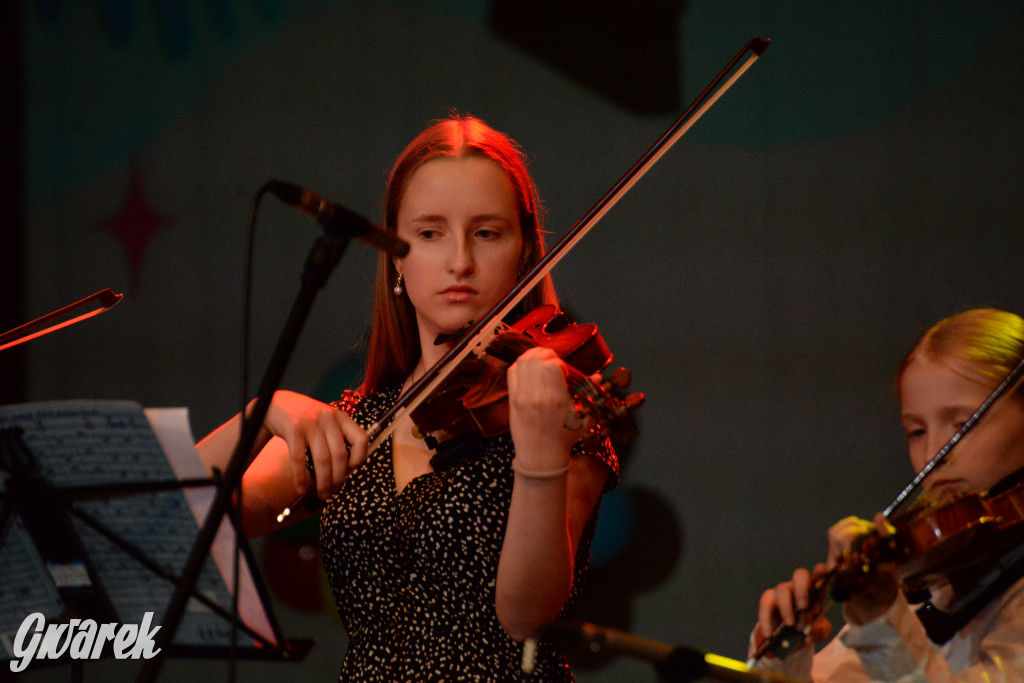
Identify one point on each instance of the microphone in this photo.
(336, 220)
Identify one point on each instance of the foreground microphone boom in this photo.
(336, 220)
(673, 663)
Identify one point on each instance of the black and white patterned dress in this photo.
(414, 574)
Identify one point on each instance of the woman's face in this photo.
(461, 219)
(936, 401)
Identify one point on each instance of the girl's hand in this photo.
(876, 593)
(790, 603)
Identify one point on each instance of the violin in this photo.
(474, 398)
(941, 542)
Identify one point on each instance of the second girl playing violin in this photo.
(438, 570)
(947, 375)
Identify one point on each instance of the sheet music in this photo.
(175, 435)
(79, 443)
(25, 587)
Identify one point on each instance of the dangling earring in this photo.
(398, 286)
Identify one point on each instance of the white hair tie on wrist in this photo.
(533, 474)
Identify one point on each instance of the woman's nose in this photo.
(460, 260)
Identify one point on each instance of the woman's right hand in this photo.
(336, 443)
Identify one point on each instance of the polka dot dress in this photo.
(413, 573)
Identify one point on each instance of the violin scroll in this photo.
(600, 401)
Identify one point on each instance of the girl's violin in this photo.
(938, 542)
(474, 397)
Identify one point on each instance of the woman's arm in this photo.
(278, 474)
(547, 514)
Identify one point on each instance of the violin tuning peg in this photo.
(634, 401)
(621, 378)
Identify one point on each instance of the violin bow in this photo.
(100, 301)
(491, 324)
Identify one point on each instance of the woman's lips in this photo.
(458, 293)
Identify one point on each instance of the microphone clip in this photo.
(337, 221)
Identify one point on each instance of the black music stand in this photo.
(99, 503)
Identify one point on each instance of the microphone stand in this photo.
(324, 256)
(673, 663)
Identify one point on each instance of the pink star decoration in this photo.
(136, 224)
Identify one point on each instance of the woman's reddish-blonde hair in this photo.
(394, 345)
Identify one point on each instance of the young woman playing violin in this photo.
(438, 571)
(948, 374)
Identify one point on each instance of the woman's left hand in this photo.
(539, 405)
(553, 495)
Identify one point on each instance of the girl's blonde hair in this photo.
(985, 344)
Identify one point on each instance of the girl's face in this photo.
(936, 401)
(461, 219)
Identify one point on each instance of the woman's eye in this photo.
(488, 233)
(429, 233)
(914, 433)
